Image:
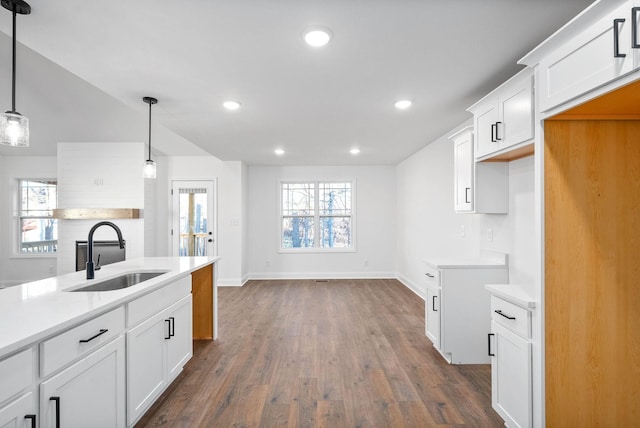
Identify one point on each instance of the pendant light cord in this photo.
(13, 76)
(149, 131)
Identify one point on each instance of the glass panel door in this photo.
(193, 229)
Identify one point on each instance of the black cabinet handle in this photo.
(429, 275)
(499, 312)
(102, 331)
(497, 129)
(616, 38)
(489, 344)
(433, 303)
(33, 420)
(466, 195)
(172, 326)
(57, 401)
(168, 330)
(494, 131)
(634, 27)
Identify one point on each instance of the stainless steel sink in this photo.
(120, 282)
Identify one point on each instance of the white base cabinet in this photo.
(20, 413)
(158, 348)
(90, 393)
(510, 348)
(457, 309)
(511, 377)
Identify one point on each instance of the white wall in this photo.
(14, 268)
(375, 227)
(429, 227)
(228, 176)
(99, 175)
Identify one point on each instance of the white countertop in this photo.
(33, 311)
(487, 261)
(513, 293)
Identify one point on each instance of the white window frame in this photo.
(17, 235)
(316, 248)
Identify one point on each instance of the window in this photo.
(316, 215)
(38, 230)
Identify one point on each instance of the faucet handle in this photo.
(97, 263)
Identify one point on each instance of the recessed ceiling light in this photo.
(354, 151)
(317, 36)
(279, 152)
(231, 105)
(403, 104)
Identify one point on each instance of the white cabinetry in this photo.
(481, 187)
(432, 314)
(158, 347)
(89, 393)
(18, 405)
(503, 119)
(592, 57)
(511, 358)
(457, 307)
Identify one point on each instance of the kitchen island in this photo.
(68, 356)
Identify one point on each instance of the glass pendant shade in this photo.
(149, 169)
(14, 130)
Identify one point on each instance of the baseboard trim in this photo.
(322, 275)
(411, 286)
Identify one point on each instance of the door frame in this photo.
(213, 208)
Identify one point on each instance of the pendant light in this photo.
(14, 127)
(150, 166)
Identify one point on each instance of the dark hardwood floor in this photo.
(342, 353)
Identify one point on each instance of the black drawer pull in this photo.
(497, 129)
(494, 131)
(616, 38)
(57, 401)
(172, 326)
(634, 27)
(168, 336)
(102, 331)
(430, 275)
(499, 312)
(33, 420)
(466, 195)
(489, 344)
(433, 303)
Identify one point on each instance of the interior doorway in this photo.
(194, 224)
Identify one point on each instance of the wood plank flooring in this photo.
(342, 353)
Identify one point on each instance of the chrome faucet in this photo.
(90, 266)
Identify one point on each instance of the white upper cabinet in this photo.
(597, 55)
(596, 48)
(479, 187)
(504, 118)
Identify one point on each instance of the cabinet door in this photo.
(463, 166)
(485, 119)
(432, 315)
(146, 364)
(516, 108)
(13, 415)
(511, 377)
(588, 60)
(90, 393)
(180, 346)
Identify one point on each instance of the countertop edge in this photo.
(512, 293)
(51, 330)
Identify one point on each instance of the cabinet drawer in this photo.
(16, 373)
(432, 275)
(513, 317)
(146, 306)
(66, 347)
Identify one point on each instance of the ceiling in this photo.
(102, 57)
